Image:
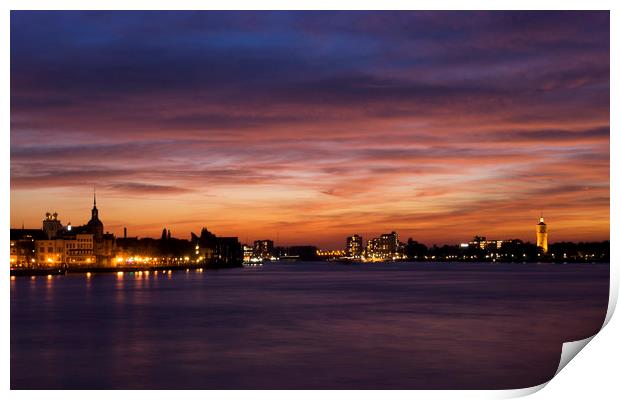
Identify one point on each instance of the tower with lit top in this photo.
(541, 234)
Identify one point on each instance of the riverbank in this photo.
(95, 269)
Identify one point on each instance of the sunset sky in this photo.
(311, 126)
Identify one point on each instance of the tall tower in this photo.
(541, 234)
(94, 211)
(51, 225)
(95, 226)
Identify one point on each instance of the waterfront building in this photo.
(50, 251)
(212, 250)
(541, 235)
(385, 247)
(75, 245)
(263, 249)
(248, 253)
(68, 249)
(80, 248)
(228, 251)
(481, 242)
(23, 246)
(354, 247)
(331, 253)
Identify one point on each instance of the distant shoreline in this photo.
(55, 271)
(92, 270)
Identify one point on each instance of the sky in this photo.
(307, 127)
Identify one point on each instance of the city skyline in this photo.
(87, 246)
(540, 235)
(309, 127)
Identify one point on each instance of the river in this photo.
(304, 326)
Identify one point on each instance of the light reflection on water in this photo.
(315, 325)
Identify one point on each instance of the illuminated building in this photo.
(23, 245)
(80, 249)
(263, 249)
(330, 253)
(50, 251)
(481, 242)
(83, 244)
(541, 234)
(385, 247)
(73, 249)
(248, 253)
(354, 248)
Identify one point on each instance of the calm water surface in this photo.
(304, 326)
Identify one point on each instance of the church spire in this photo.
(95, 212)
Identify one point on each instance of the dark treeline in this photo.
(511, 251)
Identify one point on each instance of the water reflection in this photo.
(49, 292)
(389, 326)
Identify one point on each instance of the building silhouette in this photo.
(95, 226)
(263, 249)
(51, 225)
(213, 250)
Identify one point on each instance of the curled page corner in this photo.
(570, 350)
(514, 393)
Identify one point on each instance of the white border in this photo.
(594, 374)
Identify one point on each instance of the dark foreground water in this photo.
(304, 326)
